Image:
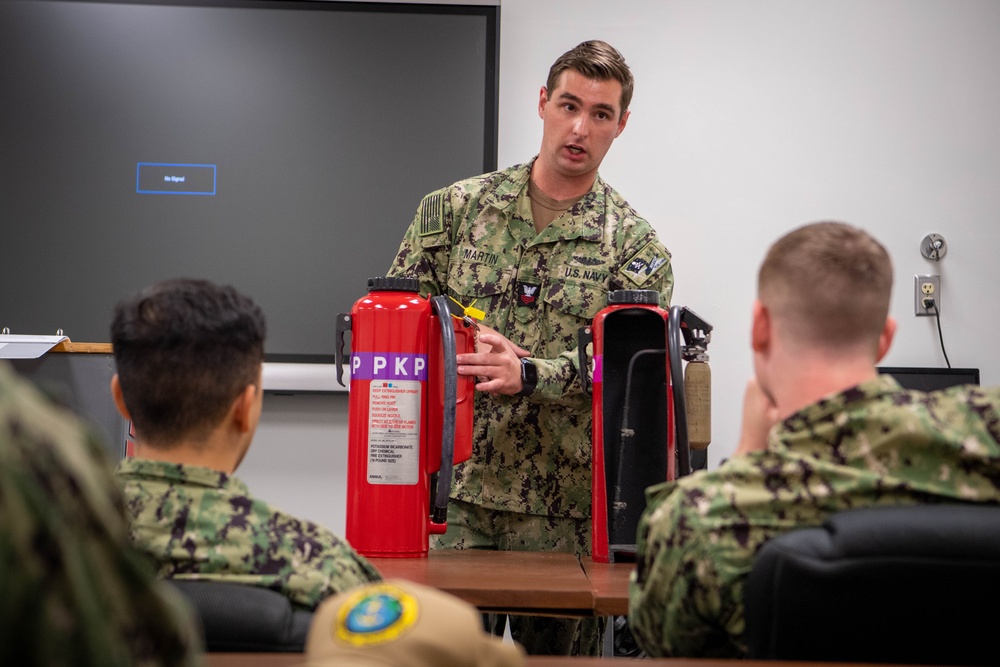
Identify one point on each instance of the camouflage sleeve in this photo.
(199, 531)
(558, 379)
(647, 265)
(316, 563)
(425, 250)
(675, 605)
(664, 283)
(73, 590)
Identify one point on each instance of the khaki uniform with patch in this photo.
(404, 624)
(874, 444)
(72, 589)
(476, 242)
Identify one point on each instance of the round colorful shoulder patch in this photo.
(375, 614)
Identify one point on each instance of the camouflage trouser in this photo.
(474, 527)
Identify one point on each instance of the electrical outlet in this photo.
(924, 288)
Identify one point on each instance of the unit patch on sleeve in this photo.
(643, 264)
(431, 215)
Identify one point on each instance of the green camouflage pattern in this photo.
(72, 589)
(475, 527)
(874, 444)
(199, 523)
(476, 242)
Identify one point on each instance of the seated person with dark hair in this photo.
(189, 358)
(822, 432)
(73, 591)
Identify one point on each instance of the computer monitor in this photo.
(931, 379)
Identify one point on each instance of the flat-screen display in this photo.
(931, 379)
(281, 147)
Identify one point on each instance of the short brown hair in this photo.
(595, 60)
(830, 283)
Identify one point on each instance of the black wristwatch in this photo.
(529, 377)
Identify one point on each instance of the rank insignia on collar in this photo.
(527, 294)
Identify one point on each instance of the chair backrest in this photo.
(241, 618)
(914, 585)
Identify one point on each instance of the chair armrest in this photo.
(243, 618)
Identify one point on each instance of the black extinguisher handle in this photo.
(675, 347)
(439, 513)
(343, 326)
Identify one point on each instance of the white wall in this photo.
(749, 119)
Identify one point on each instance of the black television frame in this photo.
(289, 367)
(925, 378)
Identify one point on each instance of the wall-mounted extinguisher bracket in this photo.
(584, 352)
(343, 328)
(689, 336)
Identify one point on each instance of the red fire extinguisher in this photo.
(640, 421)
(409, 415)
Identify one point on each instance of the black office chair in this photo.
(914, 585)
(245, 619)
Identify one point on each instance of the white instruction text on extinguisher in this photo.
(394, 432)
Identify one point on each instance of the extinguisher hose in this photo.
(675, 346)
(439, 513)
(626, 432)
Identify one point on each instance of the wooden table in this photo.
(510, 581)
(609, 584)
(525, 582)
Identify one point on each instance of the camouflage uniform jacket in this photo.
(72, 588)
(199, 523)
(874, 444)
(476, 242)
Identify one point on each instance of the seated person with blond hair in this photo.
(822, 432)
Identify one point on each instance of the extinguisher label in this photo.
(388, 366)
(394, 432)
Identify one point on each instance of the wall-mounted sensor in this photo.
(933, 247)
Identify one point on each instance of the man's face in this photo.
(581, 118)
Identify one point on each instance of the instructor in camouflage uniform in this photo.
(537, 247)
(822, 432)
(189, 357)
(73, 591)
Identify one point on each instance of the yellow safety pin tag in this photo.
(470, 311)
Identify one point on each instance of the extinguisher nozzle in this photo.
(439, 515)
